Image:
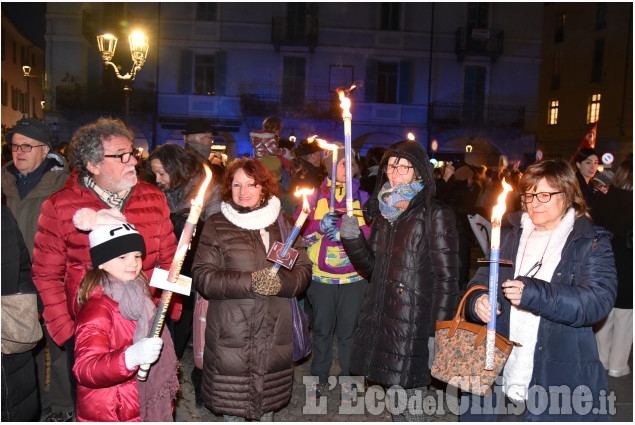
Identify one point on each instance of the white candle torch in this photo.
(345, 104)
(177, 262)
(494, 259)
(333, 148)
(306, 209)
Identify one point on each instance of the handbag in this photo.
(299, 319)
(299, 331)
(459, 349)
(21, 329)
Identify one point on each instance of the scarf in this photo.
(534, 245)
(394, 200)
(113, 200)
(159, 390)
(256, 219)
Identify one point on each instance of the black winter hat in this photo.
(306, 148)
(199, 125)
(32, 128)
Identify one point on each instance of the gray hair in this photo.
(87, 143)
(196, 138)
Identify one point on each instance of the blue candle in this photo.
(333, 180)
(296, 228)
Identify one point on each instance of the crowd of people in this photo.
(90, 224)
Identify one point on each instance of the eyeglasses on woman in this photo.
(543, 197)
(401, 169)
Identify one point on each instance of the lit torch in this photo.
(333, 148)
(347, 117)
(306, 209)
(494, 259)
(177, 262)
(411, 137)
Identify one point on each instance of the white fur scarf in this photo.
(253, 220)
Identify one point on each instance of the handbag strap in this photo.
(460, 311)
(283, 228)
(283, 236)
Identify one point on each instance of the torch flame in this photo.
(201, 192)
(499, 209)
(345, 102)
(323, 143)
(304, 192)
(411, 136)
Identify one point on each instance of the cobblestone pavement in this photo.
(330, 411)
(187, 411)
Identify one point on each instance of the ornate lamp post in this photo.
(139, 43)
(26, 69)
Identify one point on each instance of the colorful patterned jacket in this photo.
(330, 262)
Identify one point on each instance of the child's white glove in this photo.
(145, 351)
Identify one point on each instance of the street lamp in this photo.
(26, 69)
(139, 44)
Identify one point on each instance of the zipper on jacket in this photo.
(381, 295)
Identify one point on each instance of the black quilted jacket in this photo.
(412, 265)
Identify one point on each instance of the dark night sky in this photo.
(28, 18)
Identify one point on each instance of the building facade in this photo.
(459, 73)
(22, 95)
(586, 78)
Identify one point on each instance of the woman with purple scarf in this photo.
(111, 329)
(411, 261)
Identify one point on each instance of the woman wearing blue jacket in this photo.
(563, 281)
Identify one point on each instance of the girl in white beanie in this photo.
(111, 329)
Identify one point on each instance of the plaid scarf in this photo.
(394, 200)
(113, 200)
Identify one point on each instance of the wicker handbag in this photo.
(459, 355)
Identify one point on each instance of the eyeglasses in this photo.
(534, 269)
(25, 147)
(401, 169)
(124, 157)
(543, 197)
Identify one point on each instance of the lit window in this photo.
(553, 112)
(593, 111)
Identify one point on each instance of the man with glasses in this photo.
(34, 174)
(104, 177)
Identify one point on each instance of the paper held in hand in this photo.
(159, 280)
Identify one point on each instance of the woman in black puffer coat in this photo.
(20, 400)
(411, 260)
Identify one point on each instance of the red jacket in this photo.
(106, 389)
(61, 254)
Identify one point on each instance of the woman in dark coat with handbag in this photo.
(247, 363)
(411, 260)
(563, 281)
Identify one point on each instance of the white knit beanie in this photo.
(110, 234)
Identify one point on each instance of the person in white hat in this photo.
(112, 328)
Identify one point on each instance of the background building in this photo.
(586, 76)
(22, 95)
(460, 73)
